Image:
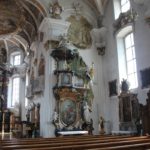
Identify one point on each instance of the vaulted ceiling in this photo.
(99, 5)
(20, 19)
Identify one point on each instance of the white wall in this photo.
(142, 45)
(106, 68)
(110, 60)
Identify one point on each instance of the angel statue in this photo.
(56, 119)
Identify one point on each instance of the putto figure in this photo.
(55, 10)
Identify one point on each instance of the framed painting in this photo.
(38, 84)
(29, 91)
(113, 88)
(78, 82)
(145, 77)
(65, 79)
(68, 112)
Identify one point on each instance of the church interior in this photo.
(75, 74)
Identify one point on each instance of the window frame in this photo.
(133, 58)
(118, 8)
(12, 90)
(15, 75)
(121, 6)
(12, 58)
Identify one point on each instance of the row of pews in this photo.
(88, 142)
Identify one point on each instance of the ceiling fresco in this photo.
(11, 17)
(19, 21)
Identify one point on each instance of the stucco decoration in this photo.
(124, 19)
(11, 18)
(55, 10)
(79, 32)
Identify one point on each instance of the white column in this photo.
(52, 29)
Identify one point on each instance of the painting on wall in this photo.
(68, 111)
(78, 82)
(145, 78)
(29, 93)
(9, 21)
(38, 84)
(41, 69)
(65, 79)
(113, 88)
(79, 32)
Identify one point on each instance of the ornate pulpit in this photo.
(72, 89)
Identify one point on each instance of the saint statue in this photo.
(87, 112)
(101, 122)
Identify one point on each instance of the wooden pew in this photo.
(68, 137)
(58, 140)
(141, 146)
(49, 141)
(6, 142)
(87, 146)
(79, 145)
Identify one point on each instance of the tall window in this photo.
(131, 60)
(15, 91)
(16, 59)
(125, 5)
(14, 80)
(120, 6)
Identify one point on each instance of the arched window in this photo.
(125, 5)
(120, 6)
(130, 60)
(127, 56)
(15, 58)
(14, 81)
(15, 91)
